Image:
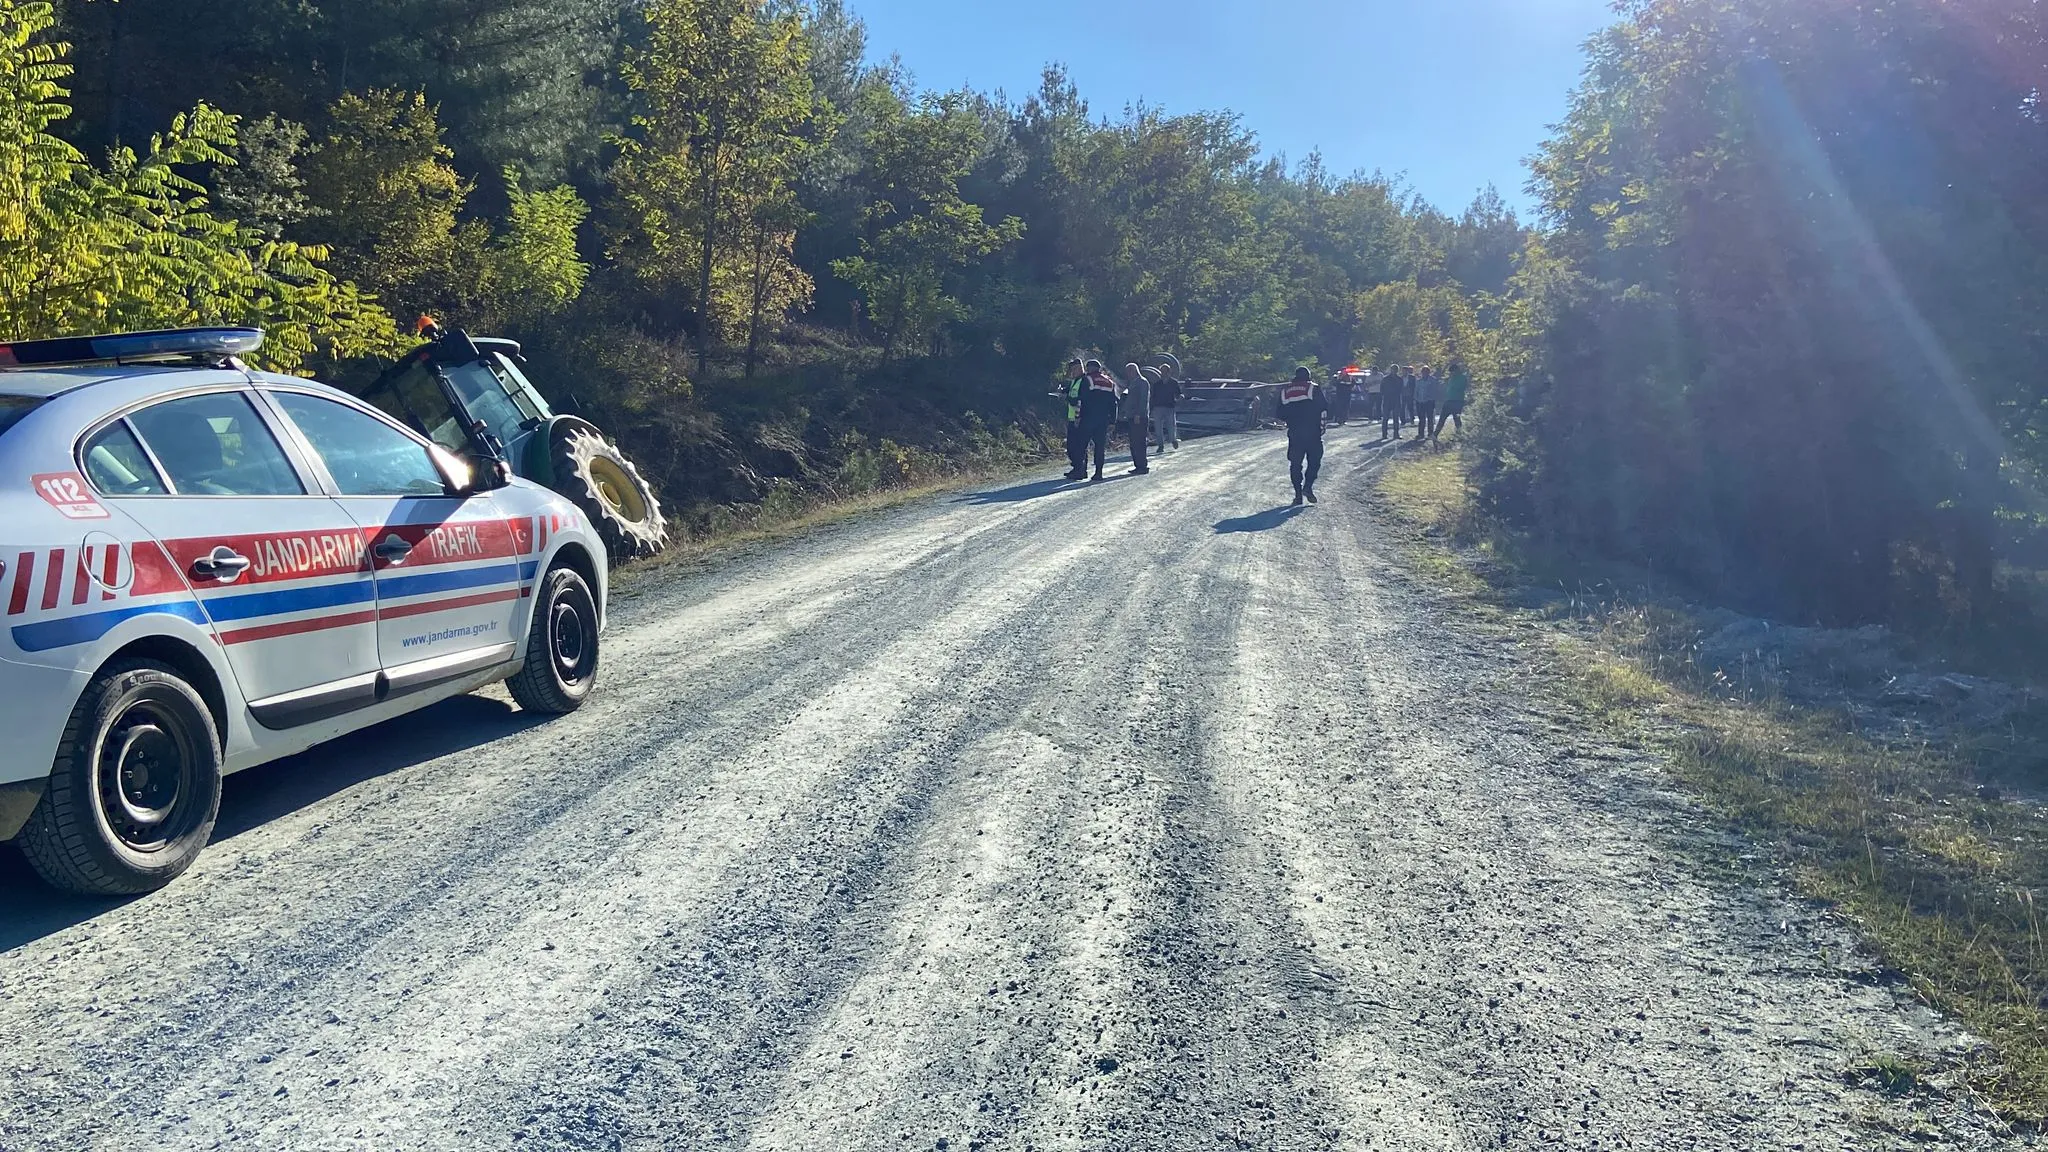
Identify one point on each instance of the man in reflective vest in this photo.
(1098, 410)
(1077, 445)
(1303, 407)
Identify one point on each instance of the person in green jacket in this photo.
(1454, 399)
(1077, 444)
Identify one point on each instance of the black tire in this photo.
(561, 646)
(135, 788)
(591, 471)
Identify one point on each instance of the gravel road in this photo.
(1046, 817)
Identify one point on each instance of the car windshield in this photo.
(13, 408)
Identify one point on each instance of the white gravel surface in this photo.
(1047, 817)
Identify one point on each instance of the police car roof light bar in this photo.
(119, 347)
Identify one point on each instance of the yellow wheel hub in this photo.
(618, 491)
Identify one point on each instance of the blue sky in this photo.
(1454, 94)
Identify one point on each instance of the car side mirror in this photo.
(465, 477)
(487, 477)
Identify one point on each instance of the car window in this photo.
(366, 456)
(117, 465)
(216, 445)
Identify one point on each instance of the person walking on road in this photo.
(1408, 382)
(1454, 398)
(1098, 410)
(1428, 391)
(1166, 393)
(1303, 406)
(1138, 413)
(1077, 444)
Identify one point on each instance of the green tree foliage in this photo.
(264, 188)
(918, 229)
(519, 83)
(536, 265)
(133, 244)
(388, 203)
(388, 198)
(1789, 319)
(724, 93)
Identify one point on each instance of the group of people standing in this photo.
(1147, 399)
(1400, 395)
(1145, 402)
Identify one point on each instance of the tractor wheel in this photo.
(602, 482)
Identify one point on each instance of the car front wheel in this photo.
(561, 646)
(135, 788)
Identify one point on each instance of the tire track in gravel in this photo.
(270, 894)
(284, 867)
(422, 1029)
(1203, 1045)
(997, 1039)
(1538, 970)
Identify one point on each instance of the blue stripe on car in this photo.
(398, 588)
(47, 634)
(249, 606)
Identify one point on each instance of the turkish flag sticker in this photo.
(67, 493)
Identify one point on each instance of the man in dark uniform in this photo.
(1303, 407)
(1077, 445)
(1341, 387)
(1099, 396)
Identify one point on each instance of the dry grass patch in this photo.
(1940, 876)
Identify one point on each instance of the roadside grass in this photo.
(1938, 872)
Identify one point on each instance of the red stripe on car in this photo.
(53, 579)
(296, 627)
(155, 575)
(110, 572)
(24, 572)
(449, 605)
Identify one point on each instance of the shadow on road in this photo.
(254, 798)
(1260, 521)
(1019, 493)
(29, 910)
(1037, 488)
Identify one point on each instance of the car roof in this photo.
(138, 381)
(44, 383)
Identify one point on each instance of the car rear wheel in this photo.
(135, 788)
(591, 471)
(561, 646)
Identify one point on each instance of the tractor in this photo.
(467, 394)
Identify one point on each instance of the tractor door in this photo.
(491, 398)
(414, 396)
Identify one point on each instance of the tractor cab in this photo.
(468, 395)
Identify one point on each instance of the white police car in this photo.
(203, 568)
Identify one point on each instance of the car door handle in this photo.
(223, 564)
(393, 550)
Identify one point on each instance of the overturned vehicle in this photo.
(1224, 405)
(1227, 405)
(455, 383)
